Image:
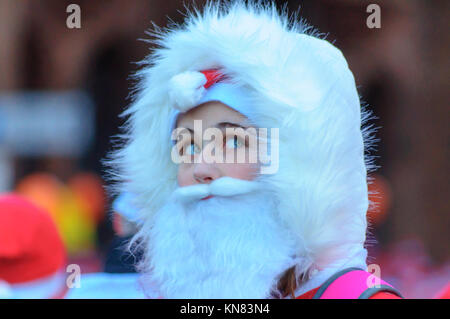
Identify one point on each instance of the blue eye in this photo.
(189, 149)
(234, 142)
(192, 149)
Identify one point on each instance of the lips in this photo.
(207, 197)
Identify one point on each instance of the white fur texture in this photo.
(186, 89)
(225, 186)
(215, 248)
(300, 84)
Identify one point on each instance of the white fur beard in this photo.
(223, 247)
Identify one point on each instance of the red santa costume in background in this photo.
(32, 254)
(309, 213)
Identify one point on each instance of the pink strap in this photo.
(353, 284)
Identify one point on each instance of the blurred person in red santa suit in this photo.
(32, 254)
(291, 224)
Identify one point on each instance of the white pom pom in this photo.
(186, 89)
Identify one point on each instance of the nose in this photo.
(205, 173)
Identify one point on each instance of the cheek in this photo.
(241, 171)
(184, 176)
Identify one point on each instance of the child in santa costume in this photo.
(242, 77)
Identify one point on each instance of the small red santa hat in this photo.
(187, 88)
(192, 88)
(32, 254)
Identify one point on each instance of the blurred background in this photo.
(62, 89)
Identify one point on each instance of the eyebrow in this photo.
(222, 125)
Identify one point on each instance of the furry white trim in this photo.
(300, 84)
(186, 89)
(224, 186)
(42, 288)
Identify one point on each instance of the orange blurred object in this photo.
(43, 189)
(380, 196)
(88, 188)
(76, 208)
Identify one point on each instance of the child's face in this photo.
(215, 114)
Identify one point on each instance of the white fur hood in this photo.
(301, 84)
